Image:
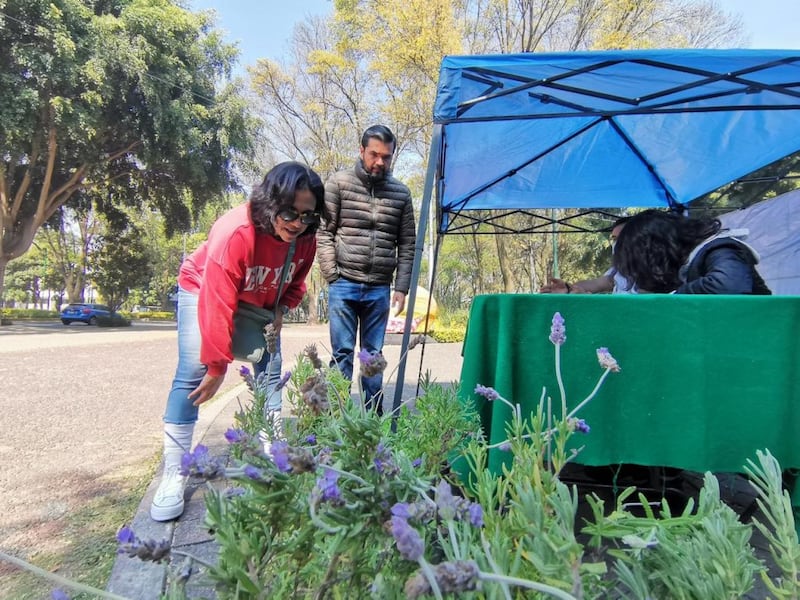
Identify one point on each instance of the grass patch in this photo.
(90, 540)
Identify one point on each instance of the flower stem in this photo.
(347, 474)
(431, 577)
(531, 585)
(561, 383)
(58, 578)
(600, 381)
(454, 545)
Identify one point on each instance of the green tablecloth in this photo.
(705, 381)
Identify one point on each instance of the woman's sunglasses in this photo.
(307, 218)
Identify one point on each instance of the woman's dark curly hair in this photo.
(654, 245)
(277, 192)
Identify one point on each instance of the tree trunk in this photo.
(506, 272)
(3, 263)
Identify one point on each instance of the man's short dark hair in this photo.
(379, 132)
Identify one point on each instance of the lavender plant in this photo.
(344, 507)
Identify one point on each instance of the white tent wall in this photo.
(774, 231)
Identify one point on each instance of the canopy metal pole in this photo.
(430, 176)
(556, 273)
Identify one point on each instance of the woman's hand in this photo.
(207, 388)
(278, 322)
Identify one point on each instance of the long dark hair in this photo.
(654, 244)
(277, 192)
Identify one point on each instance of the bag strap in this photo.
(289, 256)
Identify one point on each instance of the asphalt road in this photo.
(80, 411)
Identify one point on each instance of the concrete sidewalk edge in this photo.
(139, 580)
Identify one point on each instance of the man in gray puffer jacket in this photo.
(368, 241)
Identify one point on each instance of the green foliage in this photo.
(120, 101)
(120, 265)
(449, 335)
(777, 524)
(149, 315)
(659, 553)
(435, 427)
(30, 313)
(113, 320)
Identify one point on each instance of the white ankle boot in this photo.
(168, 500)
(274, 429)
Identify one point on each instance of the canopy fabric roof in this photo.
(643, 128)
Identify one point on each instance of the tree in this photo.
(315, 107)
(68, 237)
(120, 264)
(115, 97)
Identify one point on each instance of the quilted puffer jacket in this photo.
(371, 232)
(724, 265)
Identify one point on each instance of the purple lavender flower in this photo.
(384, 461)
(327, 485)
(58, 594)
(244, 372)
(236, 436)
(134, 547)
(232, 492)
(445, 501)
(416, 463)
(475, 511)
(607, 361)
(283, 381)
(505, 446)
(201, 463)
(125, 535)
(558, 333)
(402, 510)
(582, 426)
(252, 472)
(371, 364)
(280, 455)
(311, 352)
(450, 576)
(311, 440)
(408, 540)
(487, 392)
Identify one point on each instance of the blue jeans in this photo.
(190, 370)
(357, 306)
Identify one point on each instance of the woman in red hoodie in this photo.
(242, 260)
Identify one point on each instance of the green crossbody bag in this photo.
(249, 321)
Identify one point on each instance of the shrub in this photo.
(113, 320)
(150, 315)
(29, 313)
(449, 335)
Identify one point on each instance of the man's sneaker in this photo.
(168, 501)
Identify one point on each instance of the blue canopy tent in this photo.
(517, 133)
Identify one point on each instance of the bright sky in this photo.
(263, 27)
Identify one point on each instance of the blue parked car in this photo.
(86, 313)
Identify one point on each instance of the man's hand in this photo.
(398, 303)
(555, 286)
(206, 390)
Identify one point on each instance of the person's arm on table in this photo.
(598, 285)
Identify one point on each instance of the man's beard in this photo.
(376, 177)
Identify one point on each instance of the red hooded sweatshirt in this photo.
(236, 263)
